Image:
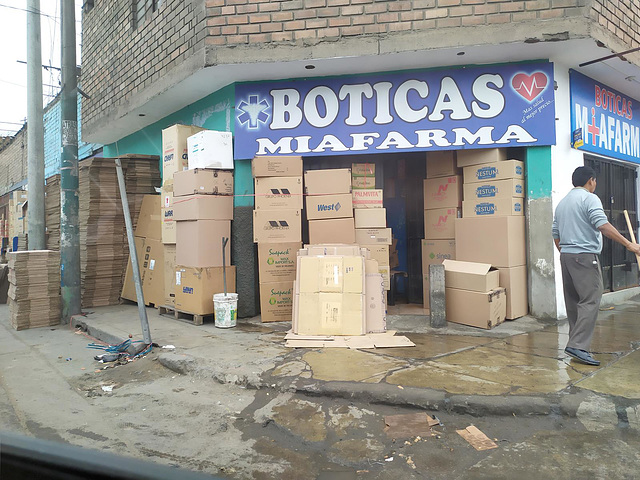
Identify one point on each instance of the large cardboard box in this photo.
(478, 277)
(514, 280)
(443, 192)
(466, 158)
(327, 182)
(276, 301)
(169, 275)
(367, 198)
(195, 287)
(330, 274)
(278, 193)
(277, 226)
(277, 261)
(373, 236)
(499, 241)
(442, 164)
(329, 206)
(333, 249)
(493, 207)
(168, 226)
(363, 183)
(512, 187)
(476, 309)
(203, 207)
(379, 253)
(268, 166)
(439, 224)
(199, 243)
(433, 253)
(375, 306)
(335, 230)
(210, 149)
(331, 314)
(174, 149)
(363, 169)
(494, 171)
(203, 181)
(149, 219)
(151, 265)
(370, 217)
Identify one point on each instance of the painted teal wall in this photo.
(214, 112)
(538, 172)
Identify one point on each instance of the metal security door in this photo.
(616, 188)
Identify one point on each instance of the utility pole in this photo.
(35, 129)
(69, 201)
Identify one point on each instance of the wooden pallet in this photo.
(186, 317)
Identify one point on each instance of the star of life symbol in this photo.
(253, 112)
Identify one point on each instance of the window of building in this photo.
(142, 10)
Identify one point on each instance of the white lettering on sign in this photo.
(420, 139)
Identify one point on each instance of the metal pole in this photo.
(69, 201)
(35, 129)
(133, 255)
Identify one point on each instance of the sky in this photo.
(13, 75)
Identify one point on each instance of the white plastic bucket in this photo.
(226, 309)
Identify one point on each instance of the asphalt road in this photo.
(51, 388)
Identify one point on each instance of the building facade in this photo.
(148, 66)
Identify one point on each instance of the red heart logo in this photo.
(529, 86)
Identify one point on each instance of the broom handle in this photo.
(631, 233)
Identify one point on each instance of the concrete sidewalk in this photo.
(518, 368)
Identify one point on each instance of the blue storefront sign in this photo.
(452, 109)
(604, 120)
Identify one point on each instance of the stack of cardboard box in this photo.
(150, 252)
(18, 213)
(329, 206)
(442, 202)
(203, 211)
(338, 291)
(492, 227)
(175, 158)
(277, 229)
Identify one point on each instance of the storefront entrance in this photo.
(617, 189)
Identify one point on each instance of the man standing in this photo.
(578, 226)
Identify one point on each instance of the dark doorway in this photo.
(616, 188)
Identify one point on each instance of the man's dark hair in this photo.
(582, 175)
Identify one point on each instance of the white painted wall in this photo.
(564, 160)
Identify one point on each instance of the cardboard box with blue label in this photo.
(512, 187)
(195, 287)
(494, 171)
(486, 207)
(329, 206)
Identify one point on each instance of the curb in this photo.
(566, 404)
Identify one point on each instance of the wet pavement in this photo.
(522, 360)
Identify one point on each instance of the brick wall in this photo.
(620, 18)
(13, 161)
(241, 22)
(119, 62)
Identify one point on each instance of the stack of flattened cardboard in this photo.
(34, 288)
(52, 212)
(18, 213)
(492, 227)
(103, 243)
(371, 218)
(277, 229)
(339, 300)
(175, 158)
(442, 202)
(203, 211)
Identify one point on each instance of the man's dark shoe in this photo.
(581, 356)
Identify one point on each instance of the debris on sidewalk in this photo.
(476, 438)
(107, 388)
(409, 425)
(169, 347)
(124, 352)
(372, 340)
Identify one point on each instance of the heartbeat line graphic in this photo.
(534, 86)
